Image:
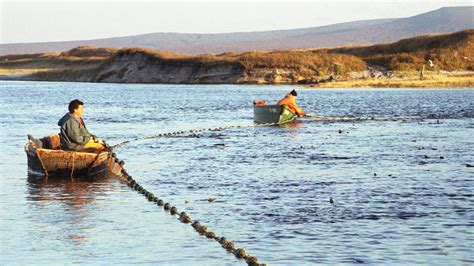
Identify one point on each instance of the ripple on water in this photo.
(300, 194)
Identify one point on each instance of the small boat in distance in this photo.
(277, 114)
(49, 161)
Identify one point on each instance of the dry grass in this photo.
(448, 52)
(89, 52)
(408, 80)
(454, 51)
(411, 45)
(20, 71)
(150, 52)
(320, 63)
(78, 59)
(292, 60)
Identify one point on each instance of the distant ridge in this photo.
(367, 32)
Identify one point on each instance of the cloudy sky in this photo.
(40, 21)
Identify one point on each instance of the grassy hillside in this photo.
(86, 60)
(305, 61)
(447, 52)
(78, 59)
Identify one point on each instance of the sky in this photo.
(42, 21)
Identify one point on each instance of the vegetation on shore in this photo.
(385, 65)
(408, 79)
(448, 52)
(78, 58)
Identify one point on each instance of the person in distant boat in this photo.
(74, 134)
(290, 102)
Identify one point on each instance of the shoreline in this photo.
(310, 87)
(412, 81)
(431, 81)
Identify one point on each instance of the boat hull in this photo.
(48, 163)
(277, 114)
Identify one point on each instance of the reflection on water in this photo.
(74, 193)
(72, 197)
(295, 124)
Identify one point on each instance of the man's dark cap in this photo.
(293, 92)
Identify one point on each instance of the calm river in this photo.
(402, 190)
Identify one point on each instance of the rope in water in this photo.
(120, 144)
(314, 117)
(185, 218)
(335, 118)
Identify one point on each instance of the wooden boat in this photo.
(49, 161)
(263, 113)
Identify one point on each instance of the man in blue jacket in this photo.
(74, 134)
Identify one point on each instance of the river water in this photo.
(402, 192)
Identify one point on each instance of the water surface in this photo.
(402, 192)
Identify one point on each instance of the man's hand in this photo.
(96, 139)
